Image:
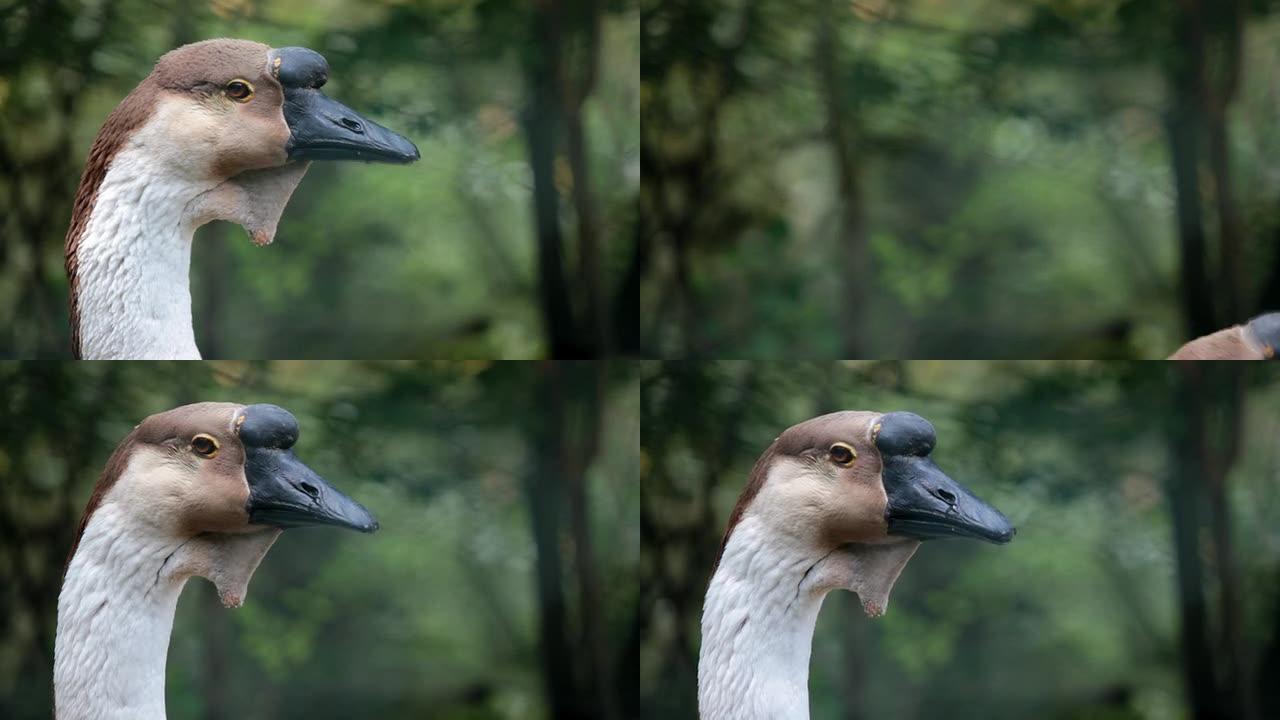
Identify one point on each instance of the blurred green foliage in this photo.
(436, 259)
(436, 615)
(924, 179)
(1079, 617)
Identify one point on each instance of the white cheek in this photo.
(153, 488)
(793, 500)
(183, 135)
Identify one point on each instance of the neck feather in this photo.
(131, 293)
(114, 616)
(146, 189)
(757, 629)
(116, 608)
(761, 609)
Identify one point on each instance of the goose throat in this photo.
(116, 610)
(131, 264)
(760, 612)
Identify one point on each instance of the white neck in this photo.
(114, 616)
(134, 257)
(760, 612)
(135, 261)
(116, 608)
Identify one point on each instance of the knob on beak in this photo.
(321, 128)
(283, 491)
(923, 502)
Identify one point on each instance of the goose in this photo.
(1257, 339)
(220, 130)
(838, 502)
(201, 490)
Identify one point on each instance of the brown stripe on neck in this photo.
(110, 475)
(128, 116)
(755, 481)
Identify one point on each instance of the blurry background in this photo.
(444, 258)
(501, 585)
(1144, 581)
(990, 178)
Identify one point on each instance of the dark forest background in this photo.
(502, 583)
(1144, 582)
(511, 238)
(928, 178)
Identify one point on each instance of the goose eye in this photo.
(204, 445)
(239, 90)
(842, 454)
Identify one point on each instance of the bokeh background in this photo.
(1144, 581)
(929, 179)
(502, 583)
(511, 238)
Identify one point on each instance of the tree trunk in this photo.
(1205, 444)
(542, 124)
(853, 671)
(1269, 297)
(626, 303)
(575, 91)
(214, 268)
(1232, 283)
(1185, 498)
(215, 631)
(1268, 690)
(1229, 20)
(1225, 385)
(841, 132)
(544, 492)
(588, 390)
(1184, 127)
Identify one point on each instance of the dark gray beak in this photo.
(923, 502)
(283, 491)
(321, 128)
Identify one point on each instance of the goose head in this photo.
(202, 490)
(238, 105)
(860, 490)
(246, 115)
(220, 130)
(224, 476)
(838, 502)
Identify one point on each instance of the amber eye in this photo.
(239, 90)
(842, 454)
(204, 445)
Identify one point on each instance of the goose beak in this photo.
(321, 128)
(924, 503)
(285, 493)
